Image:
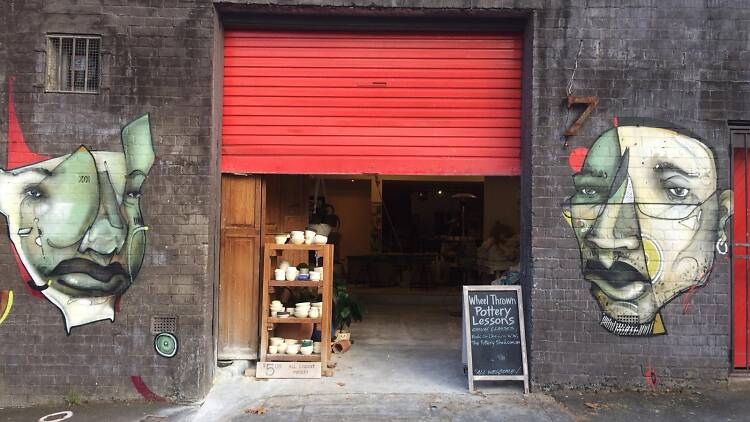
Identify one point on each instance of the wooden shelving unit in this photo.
(271, 256)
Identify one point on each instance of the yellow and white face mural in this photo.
(648, 219)
(76, 225)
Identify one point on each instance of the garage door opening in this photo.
(309, 118)
(403, 247)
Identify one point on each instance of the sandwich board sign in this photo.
(494, 332)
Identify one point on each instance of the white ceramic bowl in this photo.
(281, 348)
(306, 350)
(318, 305)
(290, 310)
(309, 234)
(301, 314)
(279, 274)
(298, 233)
(302, 304)
(319, 239)
(315, 276)
(314, 313)
(275, 341)
(281, 238)
(272, 350)
(292, 349)
(298, 240)
(291, 341)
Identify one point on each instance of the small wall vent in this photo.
(163, 324)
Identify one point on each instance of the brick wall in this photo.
(681, 61)
(156, 58)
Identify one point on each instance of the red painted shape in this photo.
(686, 300)
(19, 153)
(141, 387)
(740, 274)
(387, 103)
(576, 158)
(651, 378)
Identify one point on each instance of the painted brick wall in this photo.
(682, 61)
(156, 58)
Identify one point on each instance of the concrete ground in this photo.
(719, 403)
(406, 365)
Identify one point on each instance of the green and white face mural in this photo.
(648, 219)
(76, 224)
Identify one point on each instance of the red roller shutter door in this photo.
(332, 102)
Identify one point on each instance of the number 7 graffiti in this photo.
(574, 99)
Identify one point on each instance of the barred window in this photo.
(73, 63)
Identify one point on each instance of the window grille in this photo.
(73, 63)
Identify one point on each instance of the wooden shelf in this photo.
(291, 247)
(278, 357)
(272, 254)
(295, 283)
(294, 320)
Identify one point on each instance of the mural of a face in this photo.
(76, 224)
(648, 219)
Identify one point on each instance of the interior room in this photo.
(402, 248)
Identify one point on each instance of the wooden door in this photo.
(242, 199)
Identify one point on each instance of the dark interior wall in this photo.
(156, 58)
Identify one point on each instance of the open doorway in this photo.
(403, 247)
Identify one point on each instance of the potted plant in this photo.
(346, 309)
(324, 219)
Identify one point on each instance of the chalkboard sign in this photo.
(495, 335)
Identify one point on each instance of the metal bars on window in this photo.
(73, 63)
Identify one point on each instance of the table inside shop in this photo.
(391, 269)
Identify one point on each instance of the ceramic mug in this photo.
(281, 348)
(272, 350)
(313, 313)
(279, 274)
(315, 276)
(316, 347)
(291, 274)
(275, 341)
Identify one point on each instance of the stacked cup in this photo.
(298, 237)
(309, 236)
(307, 347)
(276, 306)
(302, 309)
